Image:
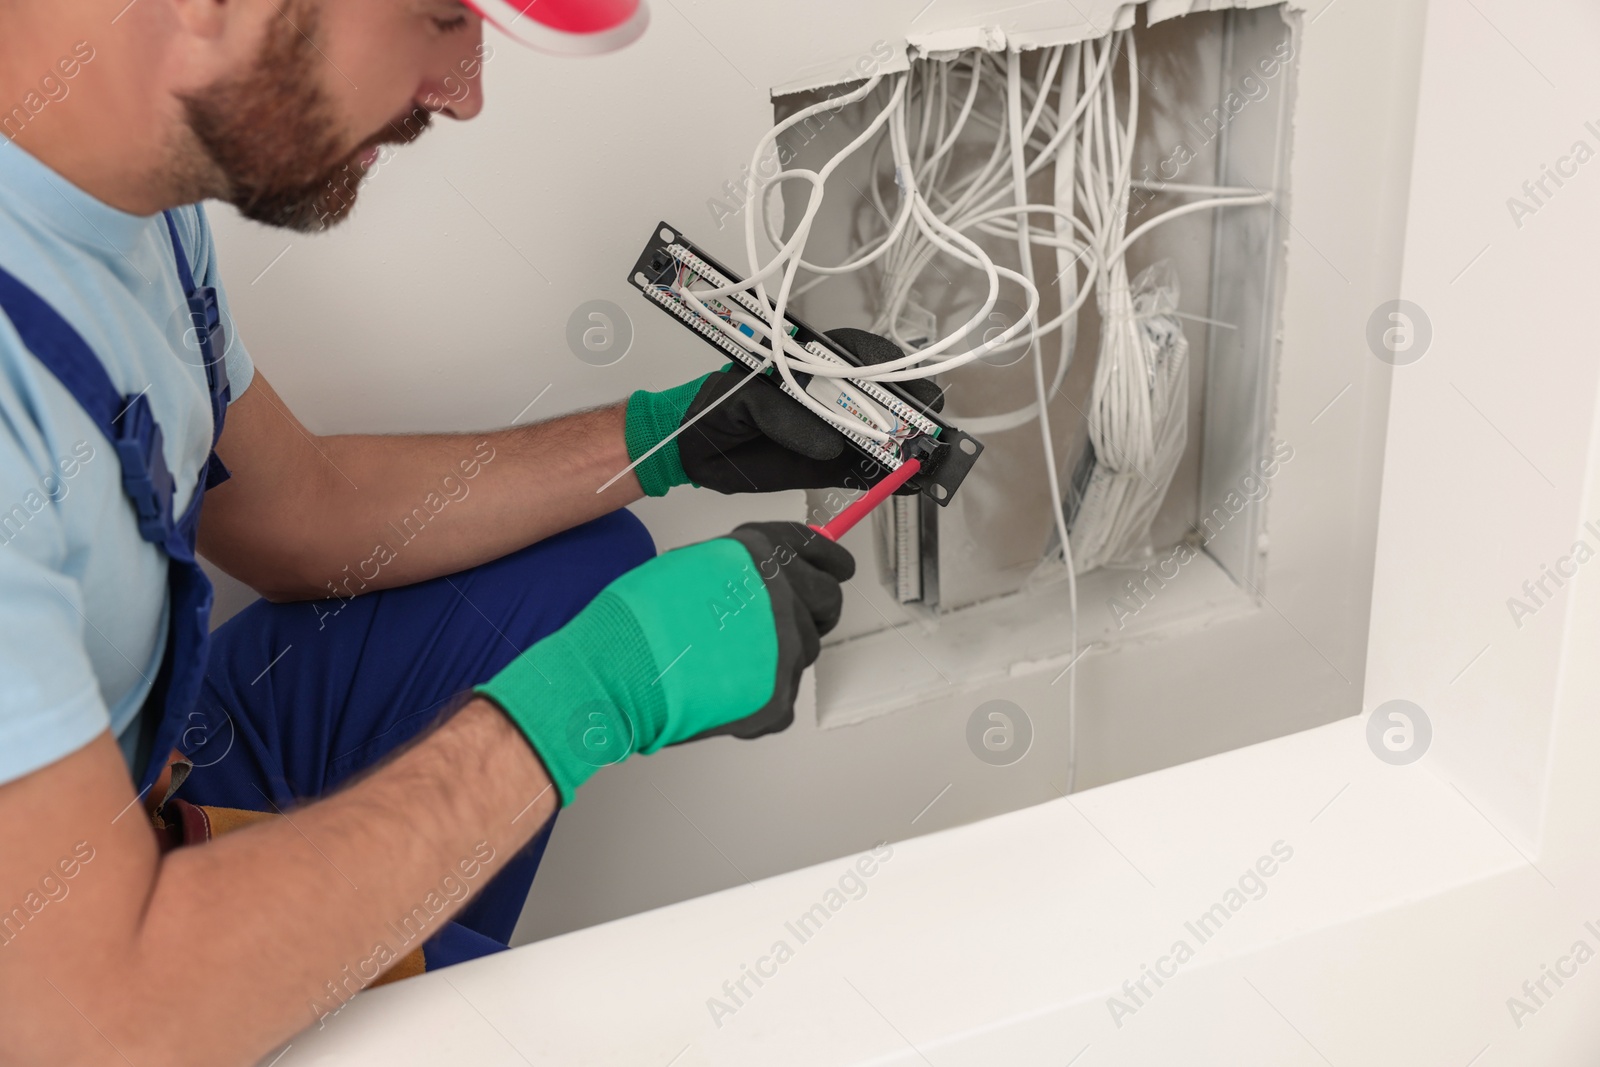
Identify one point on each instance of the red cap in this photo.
(568, 27)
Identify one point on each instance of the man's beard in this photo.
(270, 135)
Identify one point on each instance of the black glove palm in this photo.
(762, 440)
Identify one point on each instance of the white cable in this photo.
(1075, 113)
(1071, 115)
(1189, 209)
(1019, 178)
(948, 240)
(1065, 155)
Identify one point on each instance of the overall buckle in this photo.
(211, 335)
(145, 477)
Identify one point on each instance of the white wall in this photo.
(443, 303)
(1409, 918)
(1480, 493)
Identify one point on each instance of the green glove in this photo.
(704, 640)
(650, 418)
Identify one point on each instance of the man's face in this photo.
(288, 140)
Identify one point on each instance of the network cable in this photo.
(935, 200)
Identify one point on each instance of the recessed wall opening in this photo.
(1167, 507)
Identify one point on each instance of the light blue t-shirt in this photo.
(83, 598)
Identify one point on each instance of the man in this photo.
(399, 573)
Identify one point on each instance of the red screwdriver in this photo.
(859, 510)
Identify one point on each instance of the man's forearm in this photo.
(440, 504)
(289, 918)
(341, 515)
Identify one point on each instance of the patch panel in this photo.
(698, 269)
(671, 263)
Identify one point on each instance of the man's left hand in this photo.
(757, 441)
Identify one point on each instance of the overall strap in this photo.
(184, 274)
(63, 352)
(209, 331)
(129, 424)
(205, 322)
(126, 421)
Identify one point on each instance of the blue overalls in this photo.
(129, 425)
(298, 698)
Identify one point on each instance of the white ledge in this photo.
(1027, 633)
(983, 937)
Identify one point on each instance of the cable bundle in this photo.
(1071, 116)
(1142, 391)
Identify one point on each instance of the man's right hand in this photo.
(704, 640)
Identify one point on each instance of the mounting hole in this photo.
(640, 278)
(940, 492)
(667, 235)
(969, 446)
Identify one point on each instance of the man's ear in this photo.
(206, 19)
(218, 38)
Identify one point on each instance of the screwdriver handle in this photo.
(842, 522)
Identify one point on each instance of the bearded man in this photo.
(208, 840)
